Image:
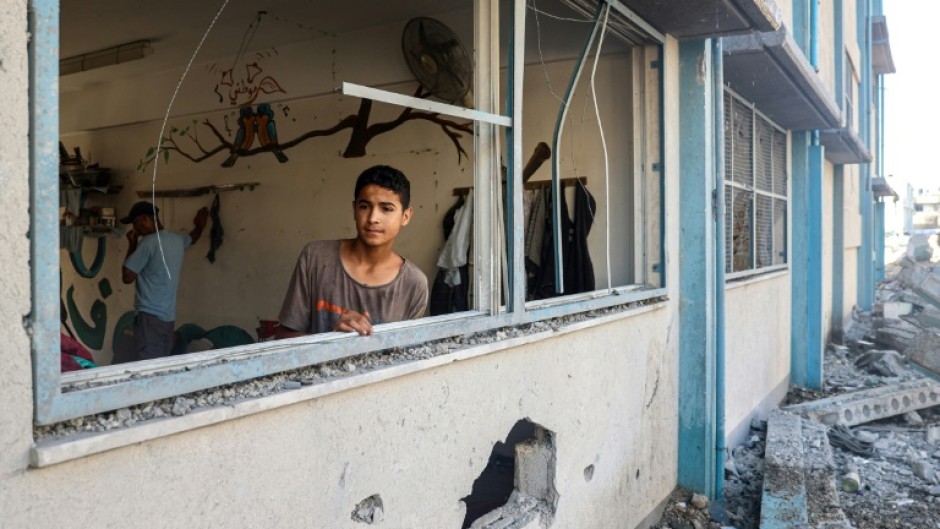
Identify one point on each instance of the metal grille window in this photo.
(756, 181)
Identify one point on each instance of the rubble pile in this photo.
(886, 467)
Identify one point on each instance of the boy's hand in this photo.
(132, 236)
(352, 321)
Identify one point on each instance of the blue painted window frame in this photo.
(60, 397)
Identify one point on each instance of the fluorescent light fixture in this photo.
(106, 57)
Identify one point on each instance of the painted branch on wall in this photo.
(259, 123)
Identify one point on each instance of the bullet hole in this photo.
(369, 510)
(588, 473)
(637, 474)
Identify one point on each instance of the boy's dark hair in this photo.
(389, 178)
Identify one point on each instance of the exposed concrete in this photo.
(924, 352)
(16, 413)
(799, 477)
(893, 310)
(868, 405)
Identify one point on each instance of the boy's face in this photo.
(379, 215)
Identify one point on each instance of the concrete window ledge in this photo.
(54, 451)
(755, 278)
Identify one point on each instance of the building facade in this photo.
(733, 150)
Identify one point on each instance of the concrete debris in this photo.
(520, 512)
(699, 501)
(799, 477)
(932, 434)
(369, 511)
(883, 363)
(918, 248)
(913, 418)
(864, 406)
(925, 471)
(893, 310)
(681, 513)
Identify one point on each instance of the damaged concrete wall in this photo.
(418, 442)
(17, 411)
(757, 348)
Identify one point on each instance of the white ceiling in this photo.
(174, 27)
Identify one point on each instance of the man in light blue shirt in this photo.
(155, 300)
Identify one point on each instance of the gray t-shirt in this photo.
(320, 291)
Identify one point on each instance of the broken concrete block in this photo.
(699, 501)
(929, 317)
(929, 289)
(882, 363)
(895, 338)
(893, 310)
(933, 434)
(918, 248)
(925, 471)
(913, 418)
(924, 352)
(863, 406)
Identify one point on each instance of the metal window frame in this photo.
(756, 114)
(643, 167)
(59, 396)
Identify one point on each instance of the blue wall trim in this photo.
(696, 272)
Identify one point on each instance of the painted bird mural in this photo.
(255, 122)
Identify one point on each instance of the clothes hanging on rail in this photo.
(450, 291)
(576, 257)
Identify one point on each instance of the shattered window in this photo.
(756, 181)
(594, 77)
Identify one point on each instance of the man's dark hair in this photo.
(389, 178)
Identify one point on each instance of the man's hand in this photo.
(352, 321)
(201, 218)
(199, 224)
(132, 236)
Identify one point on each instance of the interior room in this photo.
(247, 110)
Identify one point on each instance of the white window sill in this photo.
(54, 451)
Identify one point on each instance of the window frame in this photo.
(62, 396)
(731, 275)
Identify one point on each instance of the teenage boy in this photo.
(146, 265)
(350, 285)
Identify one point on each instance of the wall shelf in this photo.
(197, 191)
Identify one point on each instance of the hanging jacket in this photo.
(578, 268)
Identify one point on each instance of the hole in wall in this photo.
(588, 473)
(369, 511)
(518, 484)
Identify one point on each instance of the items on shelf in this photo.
(197, 191)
